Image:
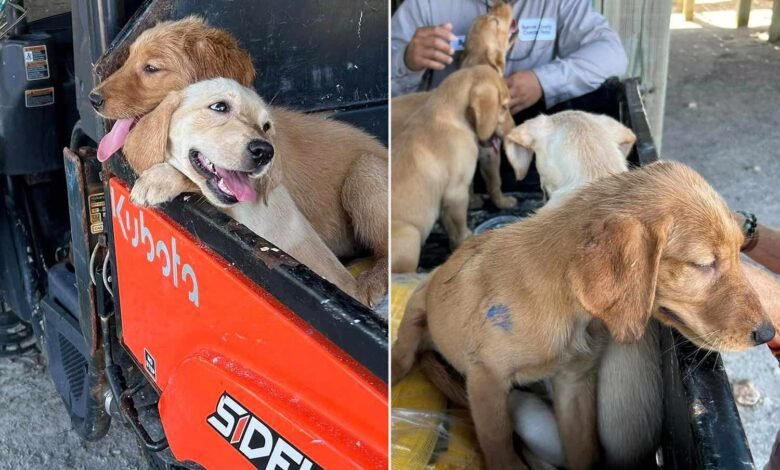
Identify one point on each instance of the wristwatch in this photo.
(750, 230)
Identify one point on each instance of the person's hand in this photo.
(524, 90)
(430, 48)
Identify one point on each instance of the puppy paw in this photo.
(372, 286)
(147, 192)
(456, 242)
(505, 202)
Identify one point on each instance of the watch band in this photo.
(750, 230)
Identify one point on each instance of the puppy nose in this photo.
(764, 333)
(262, 152)
(97, 100)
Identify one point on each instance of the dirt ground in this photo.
(723, 119)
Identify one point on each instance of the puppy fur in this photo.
(223, 139)
(435, 158)
(335, 173)
(518, 304)
(573, 148)
(487, 43)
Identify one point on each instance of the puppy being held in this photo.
(434, 159)
(336, 174)
(535, 299)
(490, 37)
(222, 136)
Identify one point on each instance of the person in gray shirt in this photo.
(564, 49)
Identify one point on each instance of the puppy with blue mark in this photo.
(498, 315)
(601, 263)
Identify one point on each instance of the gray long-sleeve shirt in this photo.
(570, 47)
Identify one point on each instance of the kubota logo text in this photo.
(131, 225)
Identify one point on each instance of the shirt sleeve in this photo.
(409, 16)
(588, 53)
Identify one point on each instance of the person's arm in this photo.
(416, 46)
(763, 246)
(589, 52)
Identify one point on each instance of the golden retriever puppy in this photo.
(490, 37)
(572, 148)
(223, 137)
(335, 173)
(434, 160)
(535, 299)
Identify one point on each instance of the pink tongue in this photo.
(115, 139)
(496, 141)
(238, 183)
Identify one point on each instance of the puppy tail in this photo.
(444, 377)
(411, 333)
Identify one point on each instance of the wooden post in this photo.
(774, 27)
(688, 9)
(743, 13)
(642, 22)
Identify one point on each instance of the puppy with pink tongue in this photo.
(220, 135)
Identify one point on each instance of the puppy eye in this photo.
(266, 127)
(706, 266)
(220, 107)
(149, 68)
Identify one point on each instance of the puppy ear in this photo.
(622, 135)
(518, 145)
(614, 275)
(217, 54)
(146, 143)
(483, 109)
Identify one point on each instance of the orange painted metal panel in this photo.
(204, 332)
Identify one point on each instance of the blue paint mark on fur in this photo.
(498, 315)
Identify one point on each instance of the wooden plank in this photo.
(774, 27)
(639, 23)
(743, 13)
(688, 9)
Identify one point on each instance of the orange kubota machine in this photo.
(216, 348)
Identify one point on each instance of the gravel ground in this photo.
(723, 119)
(35, 431)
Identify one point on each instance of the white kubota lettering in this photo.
(143, 237)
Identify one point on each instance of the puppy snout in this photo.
(763, 333)
(261, 151)
(97, 100)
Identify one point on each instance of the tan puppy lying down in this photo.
(435, 158)
(223, 137)
(336, 174)
(490, 37)
(518, 304)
